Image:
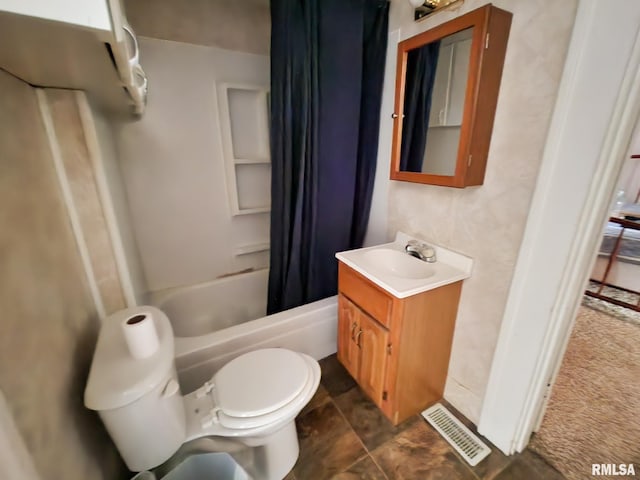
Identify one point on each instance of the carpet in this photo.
(593, 415)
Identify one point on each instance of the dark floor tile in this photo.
(334, 376)
(320, 398)
(420, 452)
(529, 465)
(367, 419)
(490, 467)
(495, 462)
(290, 476)
(365, 469)
(327, 444)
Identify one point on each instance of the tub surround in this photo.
(183, 225)
(178, 145)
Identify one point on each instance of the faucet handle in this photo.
(421, 250)
(429, 253)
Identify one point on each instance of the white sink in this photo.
(393, 262)
(402, 275)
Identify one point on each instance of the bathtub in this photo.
(216, 321)
(212, 306)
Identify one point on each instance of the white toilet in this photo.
(252, 401)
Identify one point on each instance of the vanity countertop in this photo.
(395, 271)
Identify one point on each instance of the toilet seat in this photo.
(230, 421)
(259, 382)
(206, 417)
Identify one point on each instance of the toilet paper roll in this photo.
(141, 335)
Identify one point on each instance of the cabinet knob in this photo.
(394, 115)
(357, 339)
(353, 331)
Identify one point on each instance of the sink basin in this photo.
(393, 262)
(400, 274)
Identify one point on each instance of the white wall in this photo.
(486, 222)
(172, 165)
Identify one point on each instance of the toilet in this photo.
(251, 402)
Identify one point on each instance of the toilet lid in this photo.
(260, 382)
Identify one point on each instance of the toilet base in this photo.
(271, 457)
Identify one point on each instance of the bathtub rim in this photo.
(309, 329)
(273, 324)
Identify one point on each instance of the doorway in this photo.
(590, 417)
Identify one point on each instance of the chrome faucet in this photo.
(421, 250)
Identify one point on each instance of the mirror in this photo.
(447, 84)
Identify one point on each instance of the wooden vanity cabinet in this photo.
(397, 349)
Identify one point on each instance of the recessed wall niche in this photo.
(245, 141)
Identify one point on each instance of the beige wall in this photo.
(233, 25)
(48, 324)
(487, 222)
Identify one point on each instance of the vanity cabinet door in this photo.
(372, 340)
(362, 347)
(348, 351)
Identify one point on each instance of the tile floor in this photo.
(343, 436)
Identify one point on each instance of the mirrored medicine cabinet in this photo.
(447, 82)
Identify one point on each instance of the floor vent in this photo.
(460, 437)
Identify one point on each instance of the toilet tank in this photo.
(138, 400)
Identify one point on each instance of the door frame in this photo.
(591, 127)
